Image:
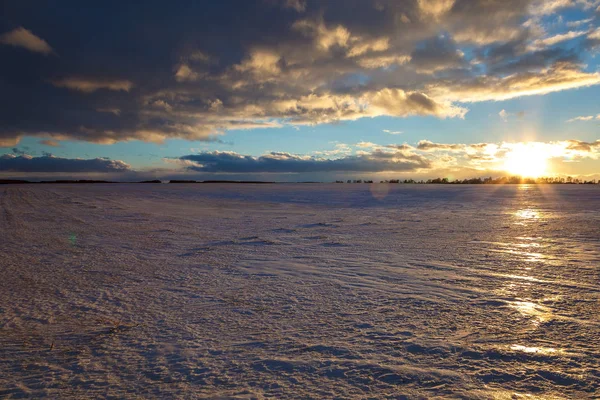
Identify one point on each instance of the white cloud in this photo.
(585, 118)
(562, 76)
(552, 40)
(504, 115)
(392, 132)
(547, 7)
(576, 24)
(595, 35)
(366, 145)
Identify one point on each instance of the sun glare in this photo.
(527, 161)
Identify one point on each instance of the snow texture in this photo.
(299, 291)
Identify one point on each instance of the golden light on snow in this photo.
(529, 309)
(527, 160)
(527, 213)
(531, 349)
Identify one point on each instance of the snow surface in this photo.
(299, 291)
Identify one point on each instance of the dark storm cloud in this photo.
(49, 163)
(226, 162)
(488, 21)
(498, 53)
(112, 71)
(437, 53)
(536, 60)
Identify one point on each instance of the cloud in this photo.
(366, 145)
(487, 22)
(262, 64)
(375, 61)
(89, 85)
(593, 39)
(497, 153)
(578, 23)
(561, 76)
(115, 111)
(397, 102)
(198, 71)
(10, 141)
(544, 7)
(229, 162)
(51, 164)
(435, 8)
(184, 73)
(428, 158)
(403, 147)
(436, 54)
(50, 142)
(340, 149)
(553, 40)
(582, 146)
(504, 115)
(21, 37)
(298, 5)
(427, 145)
(585, 118)
(375, 45)
(324, 37)
(392, 132)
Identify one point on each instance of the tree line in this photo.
(486, 181)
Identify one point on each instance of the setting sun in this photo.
(526, 160)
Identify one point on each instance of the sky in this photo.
(296, 90)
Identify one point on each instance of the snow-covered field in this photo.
(299, 291)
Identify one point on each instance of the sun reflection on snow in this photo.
(527, 213)
(538, 350)
(538, 312)
(500, 394)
